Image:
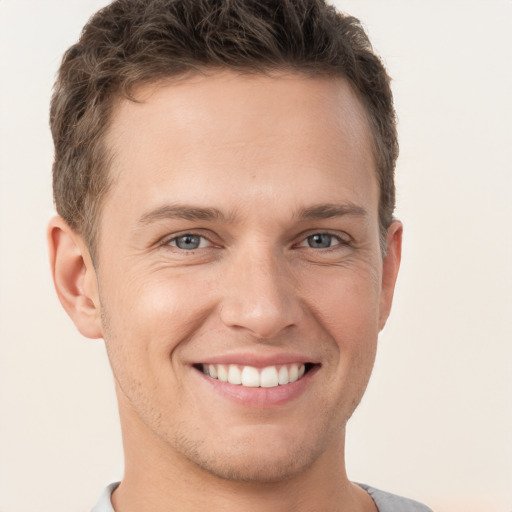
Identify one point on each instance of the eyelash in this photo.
(333, 237)
(305, 240)
(201, 238)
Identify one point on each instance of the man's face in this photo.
(240, 238)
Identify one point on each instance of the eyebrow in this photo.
(185, 212)
(177, 211)
(331, 210)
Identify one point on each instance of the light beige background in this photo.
(436, 422)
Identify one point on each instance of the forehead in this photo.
(210, 131)
(231, 100)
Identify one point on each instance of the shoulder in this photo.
(104, 504)
(388, 502)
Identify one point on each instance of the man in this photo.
(224, 182)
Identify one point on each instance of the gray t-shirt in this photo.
(385, 501)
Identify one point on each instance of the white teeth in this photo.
(212, 371)
(222, 374)
(282, 377)
(294, 373)
(249, 376)
(269, 377)
(234, 375)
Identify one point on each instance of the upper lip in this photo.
(258, 360)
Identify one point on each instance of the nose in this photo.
(260, 296)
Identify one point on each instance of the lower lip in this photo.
(259, 397)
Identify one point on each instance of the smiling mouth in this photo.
(252, 377)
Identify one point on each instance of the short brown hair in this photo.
(132, 42)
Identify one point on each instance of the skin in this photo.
(254, 166)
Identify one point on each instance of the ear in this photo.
(74, 277)
(390, 266)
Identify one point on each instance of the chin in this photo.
(262, 469)
(262, 458)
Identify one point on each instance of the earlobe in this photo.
(74, 277)
(390, 266)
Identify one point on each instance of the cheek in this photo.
(347, 307)
(148, 318)
(144, 322)
(347, 304)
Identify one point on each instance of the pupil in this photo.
(320, 241)
(188, 242)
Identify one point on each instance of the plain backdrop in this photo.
(436, 422)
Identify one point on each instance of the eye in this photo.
(189, 242)
(321, 241)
